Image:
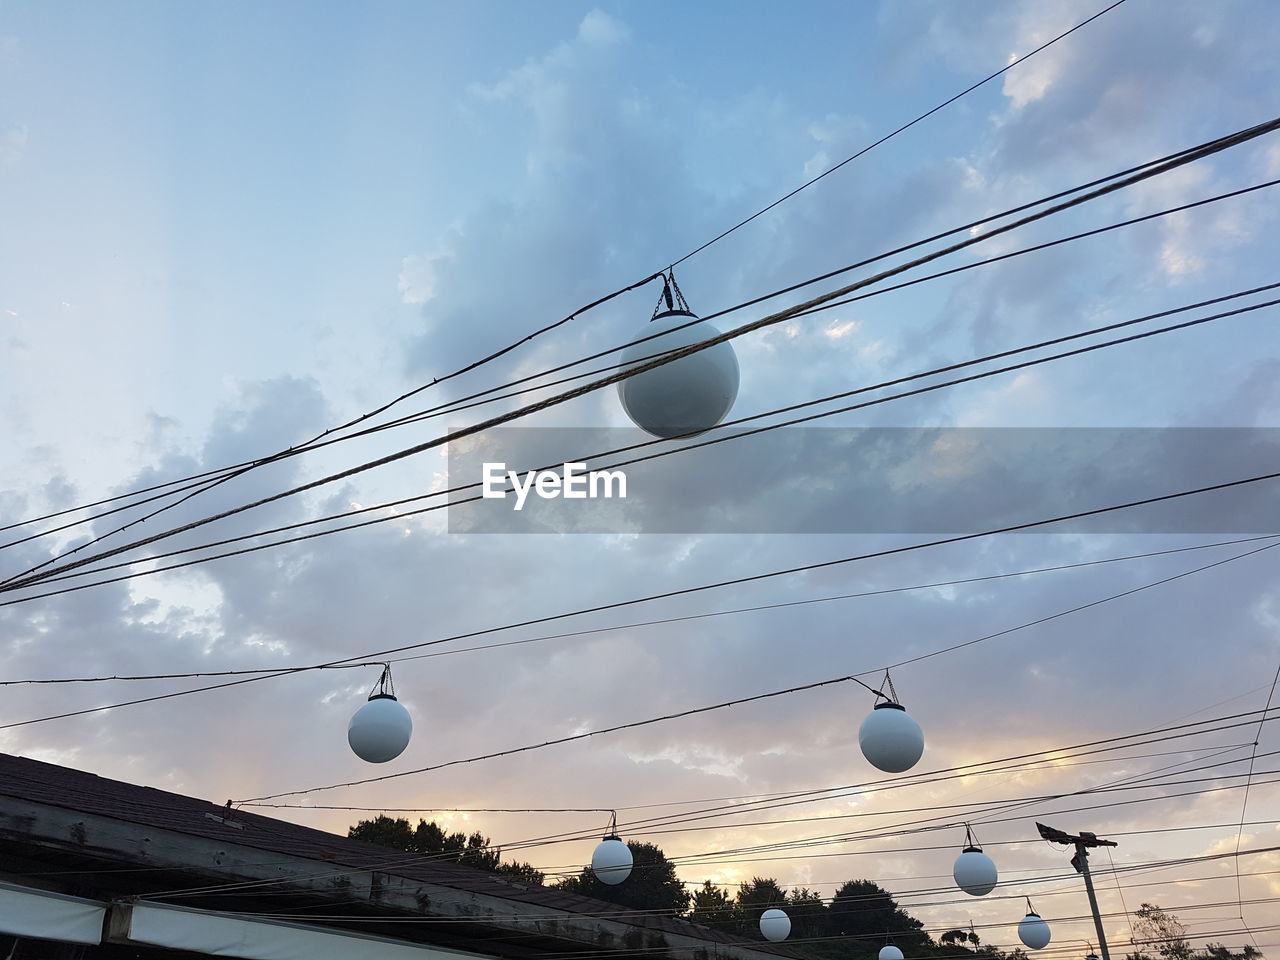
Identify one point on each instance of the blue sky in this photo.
(226, 227)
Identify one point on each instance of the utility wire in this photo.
(612, 628)
(1206, 150)
(399, 516)
(235, 469)
(755, 578)
(906, 126)
(731, 703)
(1244, 805)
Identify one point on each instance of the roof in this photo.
(77, 791)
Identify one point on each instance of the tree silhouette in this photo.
(430, 840)
(652, 884)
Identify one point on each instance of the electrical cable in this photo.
(830, 170)
(578, 835)
(689, 590)
(1202, 152)
(401, 515)
(660, 622)
(599, 302)
(1244, 805)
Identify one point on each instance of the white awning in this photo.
(25, 912)
(222, 935)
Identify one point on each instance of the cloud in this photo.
(598, 27)
(620, 162)
(418, 279)
(13, 144)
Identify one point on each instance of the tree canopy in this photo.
(430, 839)
(853, 925)
(652, 885)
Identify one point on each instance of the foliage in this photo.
(431, 840)
(652, 885)
(861, 908)
(1158, 933)
(713, 907)
(758, 895)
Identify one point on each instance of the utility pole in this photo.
(1080, 861)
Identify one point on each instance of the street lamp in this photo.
(611, 861)
(1080, 861)
(775, 925)
(380, 730)
(889, 738)
(1032, 930)
(974, 872)
(687, 396)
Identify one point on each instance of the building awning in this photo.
(223, 935)
(25, 912)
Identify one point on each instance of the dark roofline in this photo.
(80, 792)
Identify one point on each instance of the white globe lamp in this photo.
(611, 861)
(380, 730)
(975, 872)
(684, 397)
(890, 740)
(890, 952)
(775, 925)
(1033, 931)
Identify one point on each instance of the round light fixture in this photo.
(975, 872)
(611, 861)
(1033, 931)
(890, 952)
(775, 925)
(689, 395)
(890, 740)
(380, 730)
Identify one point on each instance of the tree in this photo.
(1162, 931)
(430, 840)
(713, 907)
(652, 884)
(808, 914)
(758, 895)
(864, 909)
(1157, 929)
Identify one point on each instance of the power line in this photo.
(598, 302)
(1209, 149)
(704, 587)
(917, 659)
(906, 126)
(887, 591)
(1244, 805)
(51, 578)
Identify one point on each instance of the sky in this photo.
(226, 228)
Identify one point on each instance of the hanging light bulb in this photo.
(775, 925)
(380, 730)
(974, 872)
(689, 395)
(1032, 930)
(890, 740)
(611, 861)
(890, 952)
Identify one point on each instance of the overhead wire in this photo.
(1244, 804)
(781, 605)
(400, 515)
(1014, 62)
(916, 659)
(1209, 149)
(1195, 728)
(894, 551)
(701, 859)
